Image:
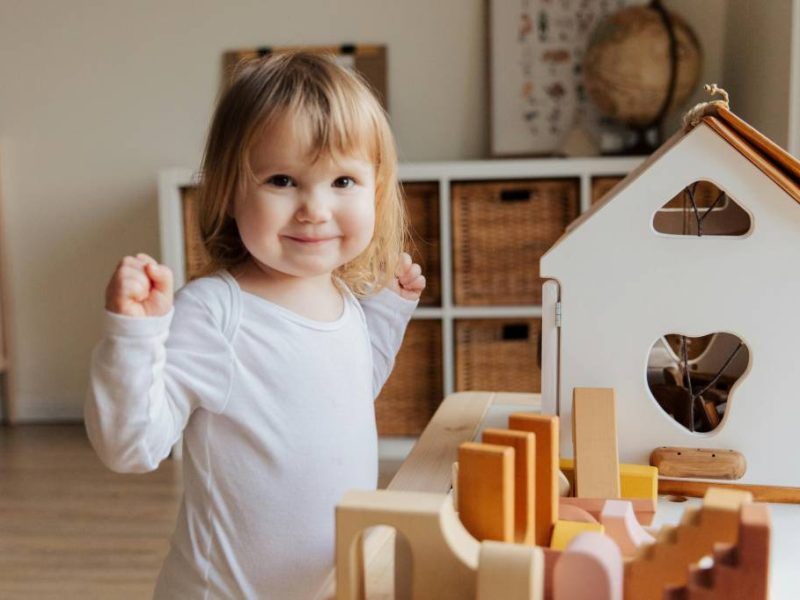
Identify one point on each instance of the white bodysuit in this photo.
(278, 421)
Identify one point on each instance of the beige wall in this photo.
(97, 96)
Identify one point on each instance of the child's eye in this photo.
(344, 182)
(280, 181)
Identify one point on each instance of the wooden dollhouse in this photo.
(622, 279)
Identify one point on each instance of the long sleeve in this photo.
(387, 315)
(147, 376)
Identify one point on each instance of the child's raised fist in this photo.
(410, 281)
(140, 287)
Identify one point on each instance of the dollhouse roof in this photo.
(772, 160)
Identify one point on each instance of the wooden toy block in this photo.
(524, 444)
(635, 481)
(545, 428)
(568, 512)
(643, 508)
(594, 440)
(665, 562)
(510, 572)
(621, 525)
(443, 555)
(486, 490)
(564, 531)
(740, 570)
(589, 569)
(706, 463)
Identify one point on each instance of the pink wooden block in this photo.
(621, 525)
(589, 569)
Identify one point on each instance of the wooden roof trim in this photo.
(777, 164)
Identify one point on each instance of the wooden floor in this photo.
(71, 528)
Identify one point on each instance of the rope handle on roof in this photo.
(695, 114)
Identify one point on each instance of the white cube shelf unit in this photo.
(512, 180)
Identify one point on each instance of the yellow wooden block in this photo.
(636, 481)
(564, 531)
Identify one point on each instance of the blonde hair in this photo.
(344, 119)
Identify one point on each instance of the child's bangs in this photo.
(335, 126)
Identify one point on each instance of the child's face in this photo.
(304, 218)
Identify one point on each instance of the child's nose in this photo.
(314, 209)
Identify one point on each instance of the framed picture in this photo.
(368, 60)
(536, 90)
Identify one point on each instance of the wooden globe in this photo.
(627, 66)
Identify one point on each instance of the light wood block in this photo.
(545, 428)
(594, 438)
(564, 531)
(486, 490)
(590, 569)
(510, 572)
(443, 554)
(524, 445)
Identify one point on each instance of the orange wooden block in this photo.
(524, 444)
(545, 428)
(486, 490)
(594, 439)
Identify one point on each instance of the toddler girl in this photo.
(268, 364)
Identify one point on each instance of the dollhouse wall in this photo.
(623, 285)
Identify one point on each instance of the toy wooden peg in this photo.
(621, 525)
(524, 444)
(594, 440)
(590, 569)
(545, 428)
(486, 490)
(510, 572)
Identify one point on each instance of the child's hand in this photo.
(410, 281)
(140, 287)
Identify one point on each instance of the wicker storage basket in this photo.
(414, 390)
(602, 185)
(422, 200)
(193, 248)
(500, 230)
(498, 355)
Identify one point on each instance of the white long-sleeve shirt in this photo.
(278, 421)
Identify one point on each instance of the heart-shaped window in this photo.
(693, 378)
